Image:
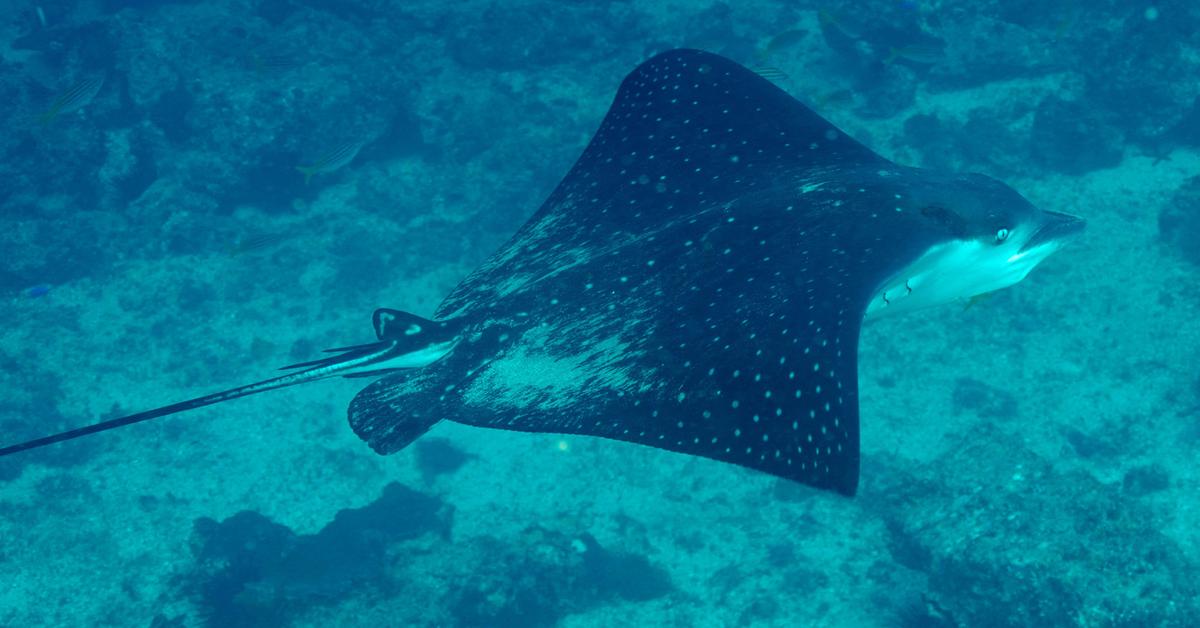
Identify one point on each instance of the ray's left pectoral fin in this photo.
(765, 391)
(391, 413)
(792, 411)
(781, 396)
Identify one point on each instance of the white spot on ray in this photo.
(810, 187)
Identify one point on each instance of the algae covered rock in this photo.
(1008, 539)
(1179, 221)
(252, 571)
(1073, 138)
(545, 575)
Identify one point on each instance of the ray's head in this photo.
(985, 237)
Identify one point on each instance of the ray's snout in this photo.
(1054, 226)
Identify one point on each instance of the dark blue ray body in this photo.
(696, 283)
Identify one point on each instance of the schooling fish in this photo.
(74, 98)
(340, 156)
(696, 283)
(921, 54)
(783, 41)
(841, 24)
(771, 73)
(38, 291)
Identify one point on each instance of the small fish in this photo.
(834, 100)
(1065, 25)
(38, 291)
(74, 98)
(340, 156)
(771, 73)
(250, 243)
(266, 60)
(707, 42)
(841, 24)
(783, 41)
(977, 299)
(923, 54)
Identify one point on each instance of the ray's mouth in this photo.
(1055, 227)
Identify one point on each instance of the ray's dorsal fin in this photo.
(398, 325)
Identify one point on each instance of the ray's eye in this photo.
(1001, 235)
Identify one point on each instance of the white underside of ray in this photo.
(956, 270)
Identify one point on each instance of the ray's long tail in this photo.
(405, 341)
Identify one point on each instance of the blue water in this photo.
(1028, 459)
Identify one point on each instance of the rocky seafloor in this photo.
(1028, 460)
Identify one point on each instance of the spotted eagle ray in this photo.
(697, 283)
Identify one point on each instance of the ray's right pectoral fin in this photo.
(394, 411)
(375, 418)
